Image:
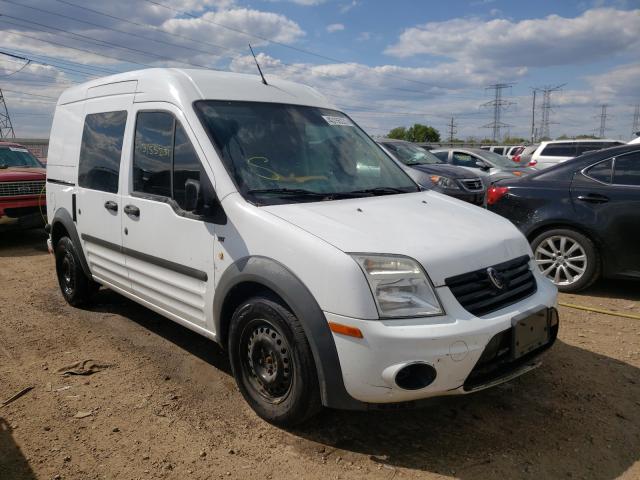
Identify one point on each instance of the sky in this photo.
(386, 64)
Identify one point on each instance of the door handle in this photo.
(593, 198)
(132, 210)
(111, 205)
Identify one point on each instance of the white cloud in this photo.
(344, 8)
(335, 27)
(363, 36)
(553, 40)
(261, 24)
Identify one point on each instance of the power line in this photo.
(543, 129)
(98, 42)
(603, 120)
(6, 127)
(452, 131)
(498, 104)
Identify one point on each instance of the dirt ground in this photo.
(167, 407)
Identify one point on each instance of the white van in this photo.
(266, 220)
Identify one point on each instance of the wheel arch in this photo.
(253, 275)
(63, 225)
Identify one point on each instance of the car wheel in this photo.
(568, 258)
(75, 286)
(272, 362)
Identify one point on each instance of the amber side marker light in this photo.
(345, 330)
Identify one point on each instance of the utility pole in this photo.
(603, 120)
(636, 121)
(543, 129)
(452, 131)
(533, 116)
(6, 127)
(498, 104)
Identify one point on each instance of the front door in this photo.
(98, 206)
(168, 248)
(607, 197)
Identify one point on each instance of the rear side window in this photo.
(627, 170)
(590, 147)
(164, 158)
(559, 150)
(601, 171)
(100, 151)
(498, 150)
(444, 156)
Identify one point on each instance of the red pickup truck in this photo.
(22, 188)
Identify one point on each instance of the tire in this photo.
(565, 257)
(272, 362)
(77, 289)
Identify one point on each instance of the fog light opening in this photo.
(415, 376)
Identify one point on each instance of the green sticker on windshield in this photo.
(337, 121)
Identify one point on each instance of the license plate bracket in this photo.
(531, 330)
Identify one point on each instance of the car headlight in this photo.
(444, 182)
(399, 285)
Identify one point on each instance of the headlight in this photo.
(444, 182)
(399, 285)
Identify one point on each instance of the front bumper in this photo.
(452, 344)
(19, 213)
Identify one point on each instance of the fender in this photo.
(275, 276)
(63, 217)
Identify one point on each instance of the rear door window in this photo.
(601, 171)
(627, 170)
(100, 151)
(444, 156)
(565, 149)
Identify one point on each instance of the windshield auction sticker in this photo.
(337, 121)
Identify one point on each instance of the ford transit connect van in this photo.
(266, 220)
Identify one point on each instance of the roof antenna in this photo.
(258, 65)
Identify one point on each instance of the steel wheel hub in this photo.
(561, 259)
(268, 361)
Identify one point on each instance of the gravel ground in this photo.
(165, 405)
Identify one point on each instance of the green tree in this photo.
(422, 133)
(399, 133)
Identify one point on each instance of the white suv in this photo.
(552, 152)
(266, 220)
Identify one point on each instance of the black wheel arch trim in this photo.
(63, 217)
(276, 277)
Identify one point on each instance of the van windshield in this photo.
(280, 153)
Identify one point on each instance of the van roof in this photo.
(184, 86)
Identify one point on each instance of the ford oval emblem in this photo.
(496, 278)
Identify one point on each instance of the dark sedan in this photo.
(581, 216)
(431, 173)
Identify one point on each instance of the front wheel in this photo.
(568, 258)
(272, 362)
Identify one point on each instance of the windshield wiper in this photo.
(381, 191)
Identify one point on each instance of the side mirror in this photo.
(193, 197)
(481, 165)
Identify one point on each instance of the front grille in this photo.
(477, 294)
(15, 189)
(473, 184)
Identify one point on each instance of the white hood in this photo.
(447, 236)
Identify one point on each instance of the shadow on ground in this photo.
(620, 289)
(23, 243)
(578, 416)
(13, 464)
